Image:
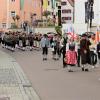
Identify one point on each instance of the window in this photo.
(66, 18)
(48, 2)
(52, 13)
(56, 4)
(13, 0)
(66, 11)
(56, 13)
(3, 25)
(13, 13)
(63, 3)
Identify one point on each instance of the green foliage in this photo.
(14, 18)
(46, 13)
(17, 17)
(50, 22)
(14, 26)
(58, 29)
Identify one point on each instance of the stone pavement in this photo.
(14, 85)
(52, 82)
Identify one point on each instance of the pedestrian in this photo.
(98, 52)
(13, 41)
(85, 51)
(71, 54)
(93, 55)
(31, 40)
(17, 39)
(56, 47)
(45, 44)
(78, 50)
(23, 38)
(63, 43)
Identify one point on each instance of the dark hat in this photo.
(45, 35)
(84, 35)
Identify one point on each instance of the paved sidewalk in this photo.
(14, 85)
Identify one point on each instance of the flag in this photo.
(70, 31)
(97, 37)
(45, 4)
(21, 4)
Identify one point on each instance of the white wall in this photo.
(68, 6)
(80, 11)
(77, 28)
(96, 8)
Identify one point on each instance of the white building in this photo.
(96, 20)
(66, 12)
(53, 8)
(80, 26)
(80, 12)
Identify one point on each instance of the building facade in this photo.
(52, 7)
(67, 11)
(26, 10)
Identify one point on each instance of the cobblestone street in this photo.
(13, 82)
(52, 82)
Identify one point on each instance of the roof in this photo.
(71, 2)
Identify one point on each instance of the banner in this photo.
(21, 4)
(45, 4)
(97, 37)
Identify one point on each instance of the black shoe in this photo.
(54, 58)
(86, 70)
(45, 58)
(31, 49)
(79, 66)
(57, 58)
(64, 66)
(82, 69)
(70, 71)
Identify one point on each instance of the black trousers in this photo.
(45, 50)
(56, 51)
(17, 42)
(93, 58)
(99, 55)
(78, 57)
(64, 64)
(0, 40)
(24, 44)
(31, 43)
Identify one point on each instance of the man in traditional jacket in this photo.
(85, 51)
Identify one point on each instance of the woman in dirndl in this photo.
(71, 54)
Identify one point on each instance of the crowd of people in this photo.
(81, 51)
(13, 40)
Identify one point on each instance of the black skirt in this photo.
(85, 58)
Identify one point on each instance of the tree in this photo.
(46, 14)
(58, 30)
(16, 19)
